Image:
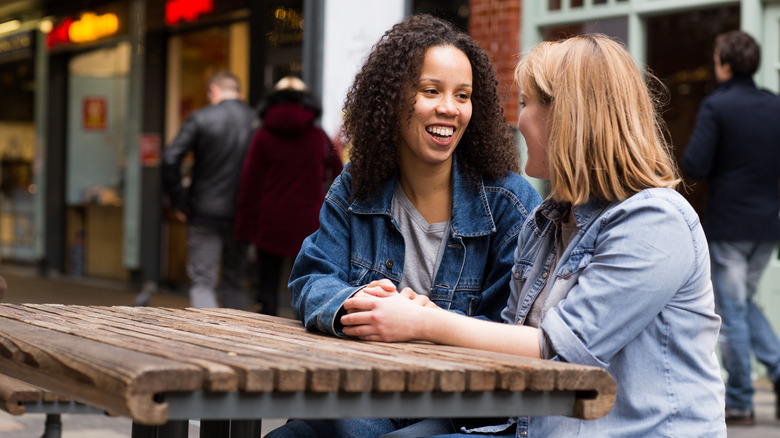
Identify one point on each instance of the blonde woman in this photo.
(612, 269)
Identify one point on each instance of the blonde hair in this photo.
(606, 137)
(290, 83)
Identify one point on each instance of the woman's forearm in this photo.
(445, 327)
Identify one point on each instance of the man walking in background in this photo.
(735, 146)
(218, 136)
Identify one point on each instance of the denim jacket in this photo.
(638, 302)
(358, 242)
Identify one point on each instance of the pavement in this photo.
(25, 285)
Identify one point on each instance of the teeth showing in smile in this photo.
(440, 131)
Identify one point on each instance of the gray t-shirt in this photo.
(566, 232)
(423, 244)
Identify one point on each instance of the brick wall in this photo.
(495, 26)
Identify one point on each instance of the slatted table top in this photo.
(120, 358)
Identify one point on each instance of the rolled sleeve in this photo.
(554, 331)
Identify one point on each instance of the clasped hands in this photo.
(379, 312)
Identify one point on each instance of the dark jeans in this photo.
(382, 427)
(269, 269)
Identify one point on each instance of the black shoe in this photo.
(777, 398)
(739, 417)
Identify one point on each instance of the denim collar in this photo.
(471, 215)
(551, 210)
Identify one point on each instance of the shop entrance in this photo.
(193, 57)
(679, 52)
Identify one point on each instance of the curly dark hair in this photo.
(383, 92)
(740, 51)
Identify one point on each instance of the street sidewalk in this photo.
(26, 286)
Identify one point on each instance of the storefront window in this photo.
(614, 27)
(17, 151)
(284, 41)
(97, 100)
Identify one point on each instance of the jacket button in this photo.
(389, 263)
(517, 275)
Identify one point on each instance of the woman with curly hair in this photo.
(430, 203)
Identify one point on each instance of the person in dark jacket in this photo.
(218, 136)
(735, 146)
(289, 163)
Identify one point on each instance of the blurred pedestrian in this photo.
(431, 203)
(288, 166)
(218, 136)
(735, 147)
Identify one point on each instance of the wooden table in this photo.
(162, 366)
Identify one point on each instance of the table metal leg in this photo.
(143, 431)
(214, 428)
(171, 429)
(245, 428)
(53, 426)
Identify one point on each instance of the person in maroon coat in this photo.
(287, 168)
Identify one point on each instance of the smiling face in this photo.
(442, 108)
(534, 124)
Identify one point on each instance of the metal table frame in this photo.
(54, 410)
(239, 414)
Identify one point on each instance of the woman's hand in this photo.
(377, 288)
(391, 318)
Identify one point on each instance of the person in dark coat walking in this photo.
(289, 163)
(218, 136)
(735, 146)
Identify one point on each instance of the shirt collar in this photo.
(471, 215)
(554, 211)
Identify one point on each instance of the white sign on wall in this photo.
(352, 27)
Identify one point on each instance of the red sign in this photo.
(150, 149)
(94, 113)
(59, 34)
(186, 10)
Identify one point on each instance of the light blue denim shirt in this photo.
(639, 303)
(358, 242)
